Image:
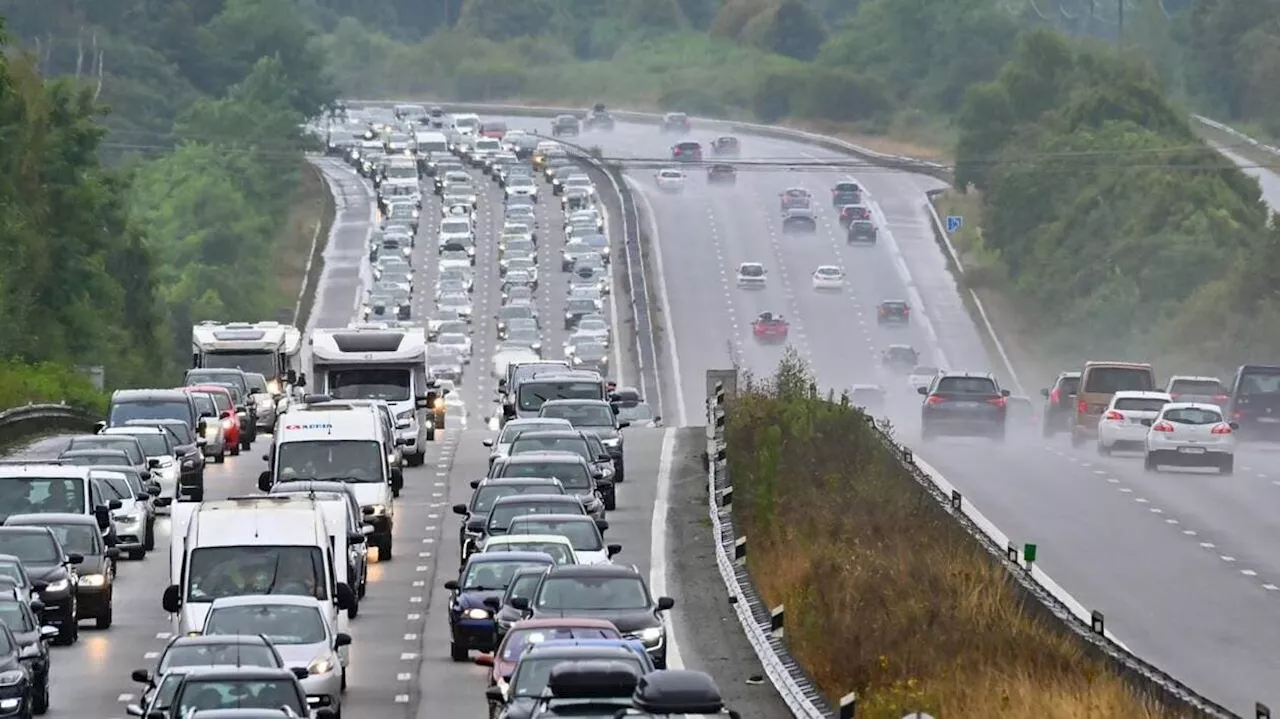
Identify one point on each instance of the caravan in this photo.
(267, 348)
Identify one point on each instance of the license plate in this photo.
(1269, 420)
(967, 405)
(1191, 450)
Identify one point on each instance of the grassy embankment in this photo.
(46, 383)
(302, 238)
(885, 594)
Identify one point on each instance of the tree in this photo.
(791, 28)
(507, 19)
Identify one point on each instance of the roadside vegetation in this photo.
(923, 620)
(155, 162)
(47, 383)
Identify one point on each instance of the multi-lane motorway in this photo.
(1178, 562)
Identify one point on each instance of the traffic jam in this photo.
(264, 590)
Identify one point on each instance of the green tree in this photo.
(791, 28)
(507, 19)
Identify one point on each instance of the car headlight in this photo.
(31, 651)
(611, 442)
(128, 518)
(476, 614)
(91, 580)
(407, 414)
(12, 678)
(652, 634)
(188, 464)
(320, 665)
(379, 510)
(226, 424)
(54, 587)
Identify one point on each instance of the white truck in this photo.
(267, 348)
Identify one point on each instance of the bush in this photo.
(47, 383)
(885, 593)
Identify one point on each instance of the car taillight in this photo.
(1055, 396)
(1221, 429)
(935, 399)
(1114, 415)
(997, 401)
(1221, 398)
(1175, 395)
(1162, 427)
(1082, 407)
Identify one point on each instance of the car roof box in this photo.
(592, 679)
(678, 691)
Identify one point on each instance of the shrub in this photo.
(47, 383)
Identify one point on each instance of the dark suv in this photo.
(1255, 402)
(1060, 403)
(565, 125)
(894, 312)
(964, 404)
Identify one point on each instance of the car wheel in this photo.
(235, 450)
(416, 460)
(1103, 450)
(458, 653)
(1228, 466)
(384, 549)
(149, 542)
(40, 700)
(103, 621)
(246, 444)
(351, 614)
(137, 555)
(1149, 463)
(610, 501)
(219, 458)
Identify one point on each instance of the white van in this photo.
(466, 124)
(274, 544)
(339, 442)
(429, 142)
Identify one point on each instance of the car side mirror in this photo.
(487, 442)
(493, 693)
(142, 676)
(602, 525)
(366, 530)
(1233, 425)
(153, 462)
(112, 553)
(657, 418)
(1044, 393)
(474, 483)
(624, 424)
(460, 510)
(346, 598)
(341, 640)
(422, 402)
(597, 474)
(1005, 393)
(48, 633)
(264, 481)
(614, 550)
(266, 458)
(37, 606)
(922, 391)
(402, 424)
(452, 585)
(486, 660)
(502, 385)
(493, 603)
(162, 501)
(665, 603)
(99, 426)
(520, 603)
(114, 504)
(226, 414)
(171, 600)
(301, 673)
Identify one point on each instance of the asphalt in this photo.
(1179, 563)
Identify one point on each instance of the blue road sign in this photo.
(954, 223)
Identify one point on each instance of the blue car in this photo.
(635, 645)
(483, 577)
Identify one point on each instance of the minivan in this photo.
(1255, 402)
(1099, 381)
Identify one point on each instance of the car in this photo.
(596, 417)
(1099, 381)
(794, 197)
(869, 397)
(893, 313)
(79, 535)
(501, 446)
(669, 179)
(963, 404)
(483, 577)
(846, 192)
(300, 632)
(677, 122)
(861, 232)
(1127, 420)
(1191, 434)
(504, 510)
(921, 376)
(575, 473)
(521, 185)
(556, 546)
(850, 214)
(752, 276)
(828, 277)
(799, 219)
(20, 614)
(484, 494)
(903, 358)
(769, 328)
(188, 451)
(1202, 390)
(637, 412)
(519, 636)
(199, 650)
(161, 446)
(585, 534)
(590, 355)
(604, 591)
(17, 688)
(135, 521)
(726, 146)
(135, 456)
(595, 327)
(598, 118)
(1255, 402)
(456, 342)
(1060, 404)
(52, 574)
(565, 125)
(686, 152)
(584, 444)
(191, 691)
(546, 682)
(722, 174)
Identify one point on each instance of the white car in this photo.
(592, 215)
(1127, 420)
(828, 277)
(456, 228)
(558, 546)
(597, 328)
(507, 356)
(752, 276)
(522, 186)
(1191, 434)
(669, 179)
(1189, 388)
(459, 302)
(454, 260)
(921, 376)
(457, 343)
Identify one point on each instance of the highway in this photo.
(1177, 562)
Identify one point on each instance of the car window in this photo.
(583, 536)
(1196, 386)
(1069, 385)
(1109, 380)
(587, 593)
(1194, 416)
(231, 653)
(1135, 404)
(493, 576)
(559, 553)
(577, 445)
(500, 516)
(1256, 382)
(581, 415)
(967, 385)
(281, 623)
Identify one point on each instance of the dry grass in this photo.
(311, 213)
(886, 595)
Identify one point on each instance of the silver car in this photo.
(300, 632)
(215, 438)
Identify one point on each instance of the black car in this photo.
(567, 680)
(850, 214)
(1255, 402)
(721, 174)
(187, 452)
(565, 125)
(964, 404)
(597, 417)
(220, 687)
(198, 650)
(846, 193)
(799, 219)
(603, 591)
(101, 457)
(52, 573)
(78, 535)
(130, 445)
(902, 358)
(483, 577)
(574, 472)
(861, 232)
(22, 618)
(128, 405)
(475, 513)
(577, 308)
(675, 122)
(598, 119)
(893, 312)
(523, 582)
(17, 690)
(504, 510)
(584, 444)
(1060, 403)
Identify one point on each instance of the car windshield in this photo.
(117, 486)
(577, 445)
(455, 227)
(281, 623)
(200, 694)
(500, 516)
(1109, 380)
(78, 538)
(1193, 415)
(1137, 404)
(206, 654)
(514, 430)
(532, 394)
(216, 572)
(95, 457)
(493, 576)
(17, 616)
(1196, 386)
(634, 412)
(122, 412)
(581, 415)
(519, 640)
(40, 495)
(30, 547)
(486, 495)
(583, 535)
(587, 593)
(751, 271)
(572, 476)
(967, 385)
(392, 385)
(343, 460)
(829, 271)
(559, 553)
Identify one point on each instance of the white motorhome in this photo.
(331, 441)
(378, 361)
(268, 348)
(274, 544)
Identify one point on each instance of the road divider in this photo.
(21, 423)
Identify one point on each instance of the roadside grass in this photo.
(46, 383)
(311, 212)
(886, 594)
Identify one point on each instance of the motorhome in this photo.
(377, 361)
(339, 442)
(274, 544)
(267, 348)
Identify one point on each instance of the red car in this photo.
(686, 152)
(853, 213)
(496, 130)
(503, 662)
(228, 413)
(769, 328)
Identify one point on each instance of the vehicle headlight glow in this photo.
(320, 665)
(91, 580)
(226, 424)
(477, 614)
(652, 634)
(60, 585)
(379, 509)
(12, 678)
(129, 517)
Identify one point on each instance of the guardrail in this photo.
(764, 627)
(1236, 134)
(23, 422)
